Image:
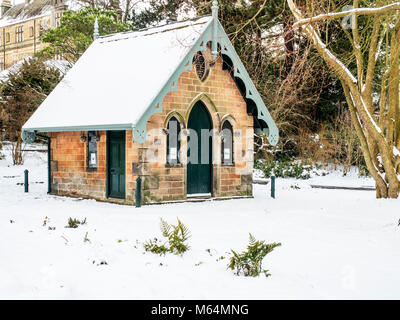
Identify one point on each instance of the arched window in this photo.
(173, 142)
(227, 143)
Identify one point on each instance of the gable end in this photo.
(263, 121)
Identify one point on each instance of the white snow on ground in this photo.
(335, 178)
(335, 244)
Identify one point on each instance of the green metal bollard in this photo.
(138, 192)
(26, 182)
(273, 187)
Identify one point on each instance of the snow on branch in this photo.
(331, 56)
(367, 113)
(356, 11)
(319, 43)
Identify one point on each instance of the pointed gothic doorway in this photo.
(199, 167)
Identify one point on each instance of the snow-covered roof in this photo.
(121, 80)
(117, 78)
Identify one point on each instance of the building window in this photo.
(58, 18)
(19, 34)
(31, 32)
(173, 142)
(227, 143)
(58, 55)
(8, 37)
(92, 149)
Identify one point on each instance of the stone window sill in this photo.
(173, 165)
(227, 165)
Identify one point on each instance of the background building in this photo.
(22, 25)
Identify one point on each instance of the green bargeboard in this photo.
(116, 164)
(199, 175)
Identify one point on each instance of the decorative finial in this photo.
(214, 9)
(96, 30)
(214, 47)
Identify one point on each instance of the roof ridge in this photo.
(139, 32)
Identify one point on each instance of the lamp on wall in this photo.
(83, 137)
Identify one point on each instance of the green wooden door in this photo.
(116, 164)
(199, 171)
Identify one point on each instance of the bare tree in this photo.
(374, 36)
(291, 89)
(20, 94)
(123, 8)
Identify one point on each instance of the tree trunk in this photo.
(17, 152)
(377, 142)
(289, 47)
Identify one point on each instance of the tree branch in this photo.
(356, 12)
(367, 89)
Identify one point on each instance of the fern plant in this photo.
(74, 223)
(177, 236)
(249, 262)
(155, 246)
(176, 239)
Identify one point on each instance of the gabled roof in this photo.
(122, 79)
(117, 78)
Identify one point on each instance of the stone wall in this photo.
(69, 169)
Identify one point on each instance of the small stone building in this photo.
(172, 105)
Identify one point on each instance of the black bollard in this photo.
(26, 182)
(273, 187)
(138, 192)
